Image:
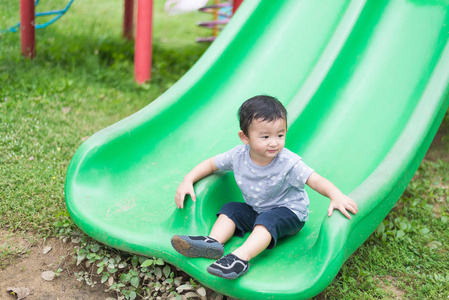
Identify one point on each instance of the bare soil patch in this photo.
(26, 269)
(439, 149)
(389, 284)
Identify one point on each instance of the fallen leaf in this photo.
(184, 287)
(20, 292)
(192, 295)
(111, 281)
(201, 291)
(47, 249)
(48, 275)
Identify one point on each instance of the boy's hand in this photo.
(183, 189)
(186, 187)
(343, 203)
(338, 200)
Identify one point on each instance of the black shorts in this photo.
(279, 221)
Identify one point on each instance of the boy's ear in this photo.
(243, 137)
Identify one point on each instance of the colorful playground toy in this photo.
(222, 14)
(59, 13)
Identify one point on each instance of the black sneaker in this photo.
(197, 246)
(229, 267)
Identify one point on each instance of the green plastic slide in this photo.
(365, 84)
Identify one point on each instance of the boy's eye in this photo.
(281, 135)
(265, 137)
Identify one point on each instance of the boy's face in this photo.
(265, 140)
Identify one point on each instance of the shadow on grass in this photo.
(100, 61)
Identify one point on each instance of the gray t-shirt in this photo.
(278, 184)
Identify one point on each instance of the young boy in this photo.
(272, 181)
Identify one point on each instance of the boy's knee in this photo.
(224, 217)
(261, 227)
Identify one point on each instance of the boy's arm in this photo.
(338, 200)
(186, 187)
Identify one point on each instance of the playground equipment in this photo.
(143, 43)
(27, 24)
(222, 12)
(366, 87)
(59, 13)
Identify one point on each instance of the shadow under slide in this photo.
(365, 84)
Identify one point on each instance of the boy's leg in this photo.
(257, 241)
(197, 246)
(268, 227)
(223, 229)
(234, 218)
(236, 264)
(205, 246)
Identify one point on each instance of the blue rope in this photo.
(59, 14)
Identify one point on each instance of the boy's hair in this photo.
(261, 107)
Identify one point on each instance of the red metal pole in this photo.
(236, 4)
(143, 45)
(27, 28)
(128, 20)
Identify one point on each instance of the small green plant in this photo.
(10, 249)
(63, 226)
(58, 272)
(407, 255)
(399, 228)
(132, 276)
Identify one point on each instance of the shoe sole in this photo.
(192, 248)
(219, 273)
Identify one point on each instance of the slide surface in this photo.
(365, 84)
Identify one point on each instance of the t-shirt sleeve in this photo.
(224, 161)
(299, 174)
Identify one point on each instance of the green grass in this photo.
(81, 81)
(408, 255)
